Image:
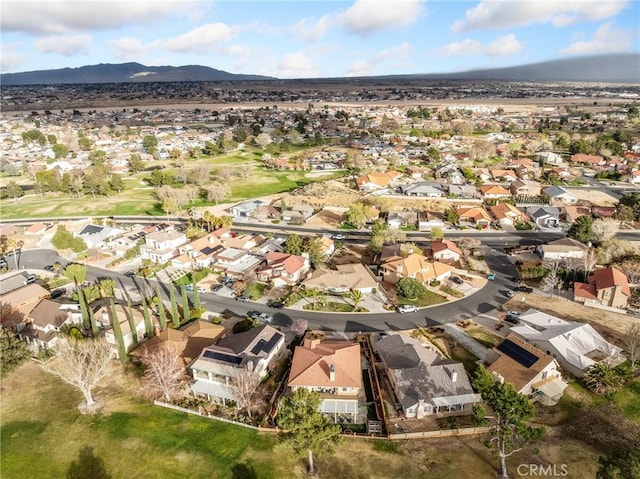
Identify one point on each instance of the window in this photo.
(544, 374)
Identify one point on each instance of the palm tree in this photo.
(56, 269)
(356, 297)
(602, 379)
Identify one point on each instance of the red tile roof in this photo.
(608, 278)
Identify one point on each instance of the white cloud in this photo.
(512, 13)
(367, 16)
(127, 48)
(503, 46)
(67, 46)
(395, 53)
(297, 65)
(11, 58)
(359, 69)
(311, 30)
(606, 39)
(200, 38)
(51, 16)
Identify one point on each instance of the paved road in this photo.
(482, 302)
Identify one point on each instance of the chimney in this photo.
(312, 342)
(105, 316)
(332, 373)
(454, 376)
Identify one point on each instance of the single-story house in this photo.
(345, 278)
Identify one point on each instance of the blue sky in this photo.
(304, 39)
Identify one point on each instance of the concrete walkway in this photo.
(466, 341)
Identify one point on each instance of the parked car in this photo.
(456, 280)
(513, 313)
(130, 274)
(201, 289)
(512, 319)
(266, 318)
(242, 299)
(216, 287)
(407, 308)
(30, 279)
(338, 237)
(56, 293)
(276, 304)
(3, 264)
(525, 289)
(511, 293)
(254, 314)
(48, 267)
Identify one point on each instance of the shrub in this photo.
(410, 288)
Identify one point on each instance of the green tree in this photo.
(358, 214)
(410, 288)
(510, 431)
(175, 317)
(582, 229)
(293, 244)
(132, 324)
(315, 250)
(632, 200)
(436, 233)
(450, 216)
(60, 150)
(624, 213)
(162, 314)
(116, 183)
(85, 143)
(12, 351)
(196, 295)
(75, 272)
(603, 379)
(14, 190)
(107, 285)
(148, 324)
(84, 308)
(149, 142)
(186, 313)
(117, 333)
(356, 297)
(135, 163)
(95, 329)
(308, 430)
(620, 465)
(52, 139)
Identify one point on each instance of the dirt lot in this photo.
(610, 325)
(594, 197)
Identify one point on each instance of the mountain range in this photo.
(614, 68)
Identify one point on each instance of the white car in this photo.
(338, 237)
(267, 318)
(407, 308)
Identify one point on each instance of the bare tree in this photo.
(604, 229)
(164, 374)
(299, 327)
(244, 387)
(631, 268)
(217, 191)
(589, 261)
(552, 278)
(631, 343)
(83, 364)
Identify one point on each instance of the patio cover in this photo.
(339, 406)
(213, 389)
(551, 388)
(456, 400)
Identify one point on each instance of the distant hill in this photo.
(123, 73)
(614, 68)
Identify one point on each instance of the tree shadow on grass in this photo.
(243, 471)
(87, 466)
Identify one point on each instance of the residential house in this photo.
(634, 177)
(126, 241)
(376, 181)
(218, 365)
(283, 269)
(97, 236)
(161, 246)
(424, 382)
(425, 189)
(494, 192)
(187, 342)
(576, 346)
(265, 212)
(445, 250)
(246, 208)
(562, 249)
(414, 266)
(548, 158)
(544, 216)
(560, 173)
(198, 254)
(605, 287)
(429, 219)
(345, 278)
(327, 246)
(558, 195)
(235, 262)
(42, 324)
(463, 191)
(525, 188)
(571, 213)
(451, 173)
(507, 214)
(298, 214)
(240, 241)
(530, 371)
(417, 172)
(331, 368)
(474, 214)
(103, 314)
(399, 219)
(19, 302)
(504, 175)
(37, 229)
(587, 160)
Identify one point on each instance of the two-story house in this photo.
(605, 287)
(161, 246)
(414, 266)
(283, 269)
(445, 250)
(331, 368)
(235, 262)
(218, 365)
(530, 371)
(198, 254)
(103, 315)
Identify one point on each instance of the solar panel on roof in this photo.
(91, 230)
(207, 250)
(272, 342)
(517, 353)
(258, 347)
(226, 358)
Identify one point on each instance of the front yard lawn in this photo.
(255, 291)
(428, 298)
(332, 307)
